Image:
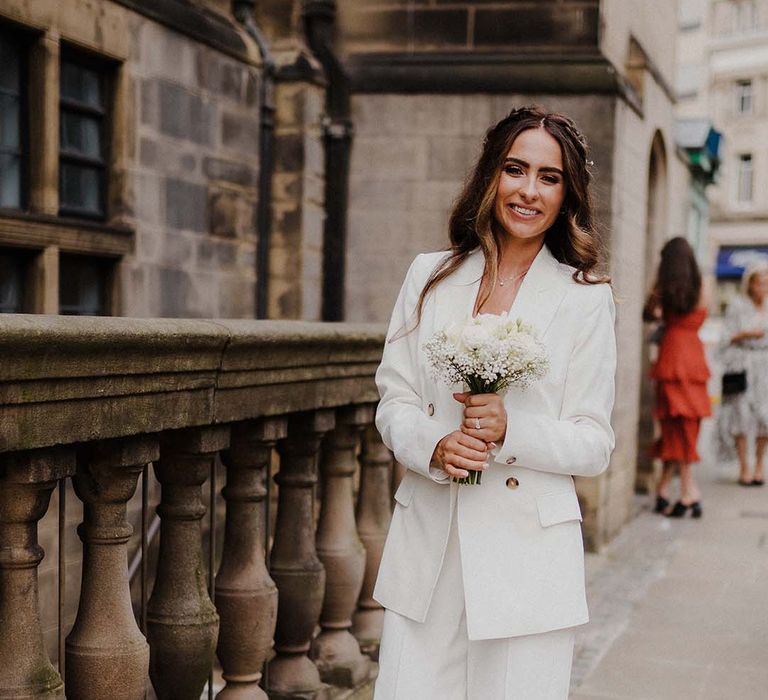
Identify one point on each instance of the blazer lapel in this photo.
(537, 299)
(541, 293)
(456, 296)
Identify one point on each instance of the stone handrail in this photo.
(96, 400)
(133, 376)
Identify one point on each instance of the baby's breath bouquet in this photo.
(487, 353)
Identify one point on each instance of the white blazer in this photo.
(521, 547)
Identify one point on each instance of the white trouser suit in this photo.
(435, 660)
(483, 585)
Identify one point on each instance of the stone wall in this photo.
(468, 25)
(410, 157)
(653, 25)
(194, 173)
(183, 125)
(633, 262)
(296, 261)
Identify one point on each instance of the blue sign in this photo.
(732, 260)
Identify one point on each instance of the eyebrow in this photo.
(545, 169)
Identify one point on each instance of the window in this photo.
(746, 15)
(11, 141)
(83, 147)
(84, 285)
(745, 176)
(744, 97)
(13, 277)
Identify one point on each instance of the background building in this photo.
(723, 76)
(132, 138)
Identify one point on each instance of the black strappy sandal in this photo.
(661, 505)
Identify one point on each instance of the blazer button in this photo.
(511, 460)
(431, 409)
(512, 483)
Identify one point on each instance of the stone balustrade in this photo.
(281, 611)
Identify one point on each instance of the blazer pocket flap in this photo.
(404, 492)
(558, 508)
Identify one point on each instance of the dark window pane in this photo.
(81, 189)
(9, 66)
(81, 134)
(83, 286)
(83, 152)
(9, 122)
(10, 194)
(12, 273)
(80, 84)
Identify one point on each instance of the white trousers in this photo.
(435, 660)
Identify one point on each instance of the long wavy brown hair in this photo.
(572, 239)
(678, 283)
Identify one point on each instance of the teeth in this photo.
(524, 211)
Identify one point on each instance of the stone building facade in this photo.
(429, 78)
(132, 140)
(723, 76)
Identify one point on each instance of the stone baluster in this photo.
(374, 511)
(295, 567)
(107, 655)
(336, 651)
(182, 623)
(26, 482)
(246, 596)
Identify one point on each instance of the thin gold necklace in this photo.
(513, 278)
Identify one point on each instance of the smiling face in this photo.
(531, 186)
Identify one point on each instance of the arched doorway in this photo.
(655, 233)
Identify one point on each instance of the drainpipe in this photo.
(243, 11)
(320, 26)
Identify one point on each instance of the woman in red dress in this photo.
(681, 373)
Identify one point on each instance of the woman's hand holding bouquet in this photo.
(488, 354)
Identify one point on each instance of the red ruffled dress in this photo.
(681, 374)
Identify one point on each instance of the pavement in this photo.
(679, 608)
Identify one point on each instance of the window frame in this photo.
(106, 270)
(24, 259)
(105, 71)
(745, 16)
(741, 174)
(20, 43)
(745, 92)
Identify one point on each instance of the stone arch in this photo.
(656, 231)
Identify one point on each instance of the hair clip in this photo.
(590, 163)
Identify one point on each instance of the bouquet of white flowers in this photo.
(488, 353)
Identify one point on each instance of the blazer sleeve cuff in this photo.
(439, 475)
(412, 438)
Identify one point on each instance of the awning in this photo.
(731, 260)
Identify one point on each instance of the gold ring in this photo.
(477, 423)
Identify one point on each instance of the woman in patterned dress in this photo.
(745, 347)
